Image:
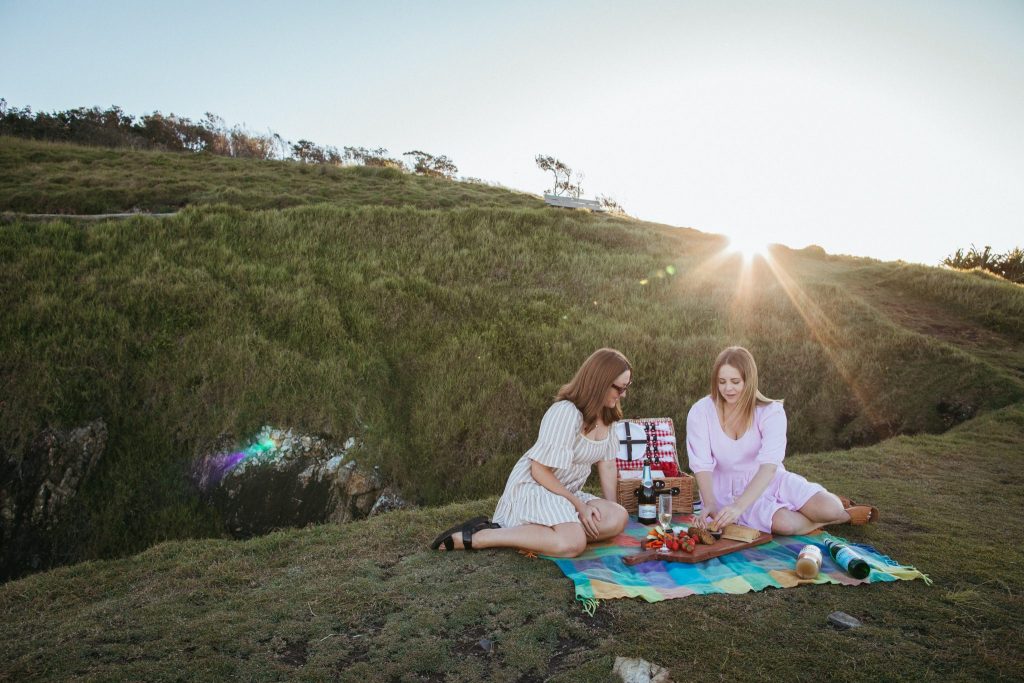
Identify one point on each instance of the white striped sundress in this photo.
(560, 445)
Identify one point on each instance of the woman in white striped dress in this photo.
(543, 509)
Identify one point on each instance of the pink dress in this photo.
(734, 462)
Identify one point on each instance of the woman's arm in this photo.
(706, 487)
(701, 460)
(705, 484)
(609, 475)
(730, 513)
(757, 485)
(545, 476)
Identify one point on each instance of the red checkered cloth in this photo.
(640, 437)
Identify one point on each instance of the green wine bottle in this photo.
(647, 504)
(848, 559)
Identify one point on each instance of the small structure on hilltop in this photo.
(571, 203)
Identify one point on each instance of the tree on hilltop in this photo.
(238, 142)
(175, 133)
(429, 165)
(112, 127)
(372, 157)
(567, 181)
(308, 152)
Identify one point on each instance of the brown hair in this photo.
(589, 387)
(741, 359)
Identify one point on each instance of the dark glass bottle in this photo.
(848, 559)
(647, 500)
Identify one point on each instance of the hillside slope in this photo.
(435, 336)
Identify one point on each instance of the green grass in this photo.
(38, 177)
(368, 601)
(434, 321)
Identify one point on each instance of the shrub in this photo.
(372, 157)
(1009, 265)
(429, 165)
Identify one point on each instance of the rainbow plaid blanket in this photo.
(600, 574)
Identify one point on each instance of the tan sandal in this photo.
(860, 514)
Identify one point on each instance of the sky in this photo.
(890, 129)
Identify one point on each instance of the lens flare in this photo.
(747, 247)
(212, 470)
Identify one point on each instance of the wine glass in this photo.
(665, 512)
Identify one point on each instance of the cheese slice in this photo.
(738, 532)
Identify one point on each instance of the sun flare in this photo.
(747, 247)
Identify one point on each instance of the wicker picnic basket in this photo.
(659, 440)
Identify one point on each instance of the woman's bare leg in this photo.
(560, 540)
(821, 510)
(825, 508)
(789, 523)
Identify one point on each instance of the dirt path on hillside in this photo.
(9, 216)
(925, 317)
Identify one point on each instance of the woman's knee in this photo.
(787, 523)
(614, 518)
(823, 507)
(618, 518)
(570, 543)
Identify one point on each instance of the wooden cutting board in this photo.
(722, 546)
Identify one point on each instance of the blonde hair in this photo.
(741, 359)
(589, 387)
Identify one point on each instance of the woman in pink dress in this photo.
(543, 509)
(736, 441)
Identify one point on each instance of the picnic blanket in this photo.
(600, 574)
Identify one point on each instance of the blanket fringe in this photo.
(900, 571)
(589, 605)
(908, 573)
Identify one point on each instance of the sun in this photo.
(747, 247)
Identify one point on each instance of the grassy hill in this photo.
(38, 177)
(434, 321)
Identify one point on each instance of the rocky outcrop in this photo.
(36, 492)
(283, 479)
(389, 500)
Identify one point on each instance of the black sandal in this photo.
(468, 528)
(467, 535)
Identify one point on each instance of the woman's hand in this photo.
(726, 516)
(707, 516)
(590, 516)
